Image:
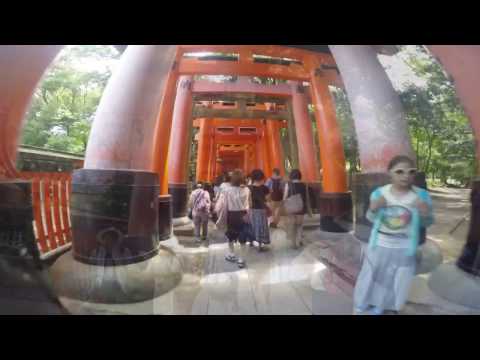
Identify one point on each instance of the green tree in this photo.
(441, 134)
(64, 105)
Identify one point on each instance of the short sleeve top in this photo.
(259, 196)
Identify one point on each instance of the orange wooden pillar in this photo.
(335, 200)
(252, 162)
(161, 148)
(204, 145)
(462, 64)
(303, 128)
(21, 68)
(259, 151)
(275, 146)
(267, 165)
(119, 160)
(212, 159)
(179, 150)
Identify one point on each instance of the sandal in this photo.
(231, 258)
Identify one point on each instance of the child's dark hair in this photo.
(295, 174)
(400, 159)
(257, 175)
(207, 187)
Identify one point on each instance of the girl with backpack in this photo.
(200, 204)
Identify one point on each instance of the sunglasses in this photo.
(410, 172)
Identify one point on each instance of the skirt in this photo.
(385, 278)
(235, 225)
(259, 221)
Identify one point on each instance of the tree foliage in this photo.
(441, 134)
(64, 104)
(439, 129)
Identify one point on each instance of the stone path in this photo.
(317, 279)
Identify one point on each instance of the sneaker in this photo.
(376, 311)
(231, 258)
(360, 311)
(198, 240)
(241, 263)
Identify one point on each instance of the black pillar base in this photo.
(469, 261)
(314, 191)
(16, 218)
(25, 288)
(114, 216)
(331, 206)
(328, 224)
(363, 186)
(164, 217)
(179, 193)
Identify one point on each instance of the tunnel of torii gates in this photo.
(121, 202)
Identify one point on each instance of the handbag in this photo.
(293, 204)
(221, 209)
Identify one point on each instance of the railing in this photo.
(51, 199)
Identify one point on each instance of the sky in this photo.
(398, 71)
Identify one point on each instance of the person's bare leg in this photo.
(242, 254)
(231, 252)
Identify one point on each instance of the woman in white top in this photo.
(233, 206)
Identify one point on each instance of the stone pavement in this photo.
(316, 279)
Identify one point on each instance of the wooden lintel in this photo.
(199, 112)
(236, 97)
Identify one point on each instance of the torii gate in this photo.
(126, 161)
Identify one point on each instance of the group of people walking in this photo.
(247, 209)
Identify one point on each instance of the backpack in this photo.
(200, 202)
(277, 194)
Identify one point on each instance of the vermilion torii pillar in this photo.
(380, 123)
(305, 143)
(461, 283)
(114, 203)
(303, 126)
(179, 150)
(274, 145)
(266, 151)
(21, 68)
(335, 199)
(204, 146)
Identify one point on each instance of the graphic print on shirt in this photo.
(396, 217)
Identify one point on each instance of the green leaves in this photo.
(440, 131)
(64, 105)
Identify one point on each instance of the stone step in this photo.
(185, 230)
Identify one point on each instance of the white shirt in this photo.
(397, 219)
(237, 197)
